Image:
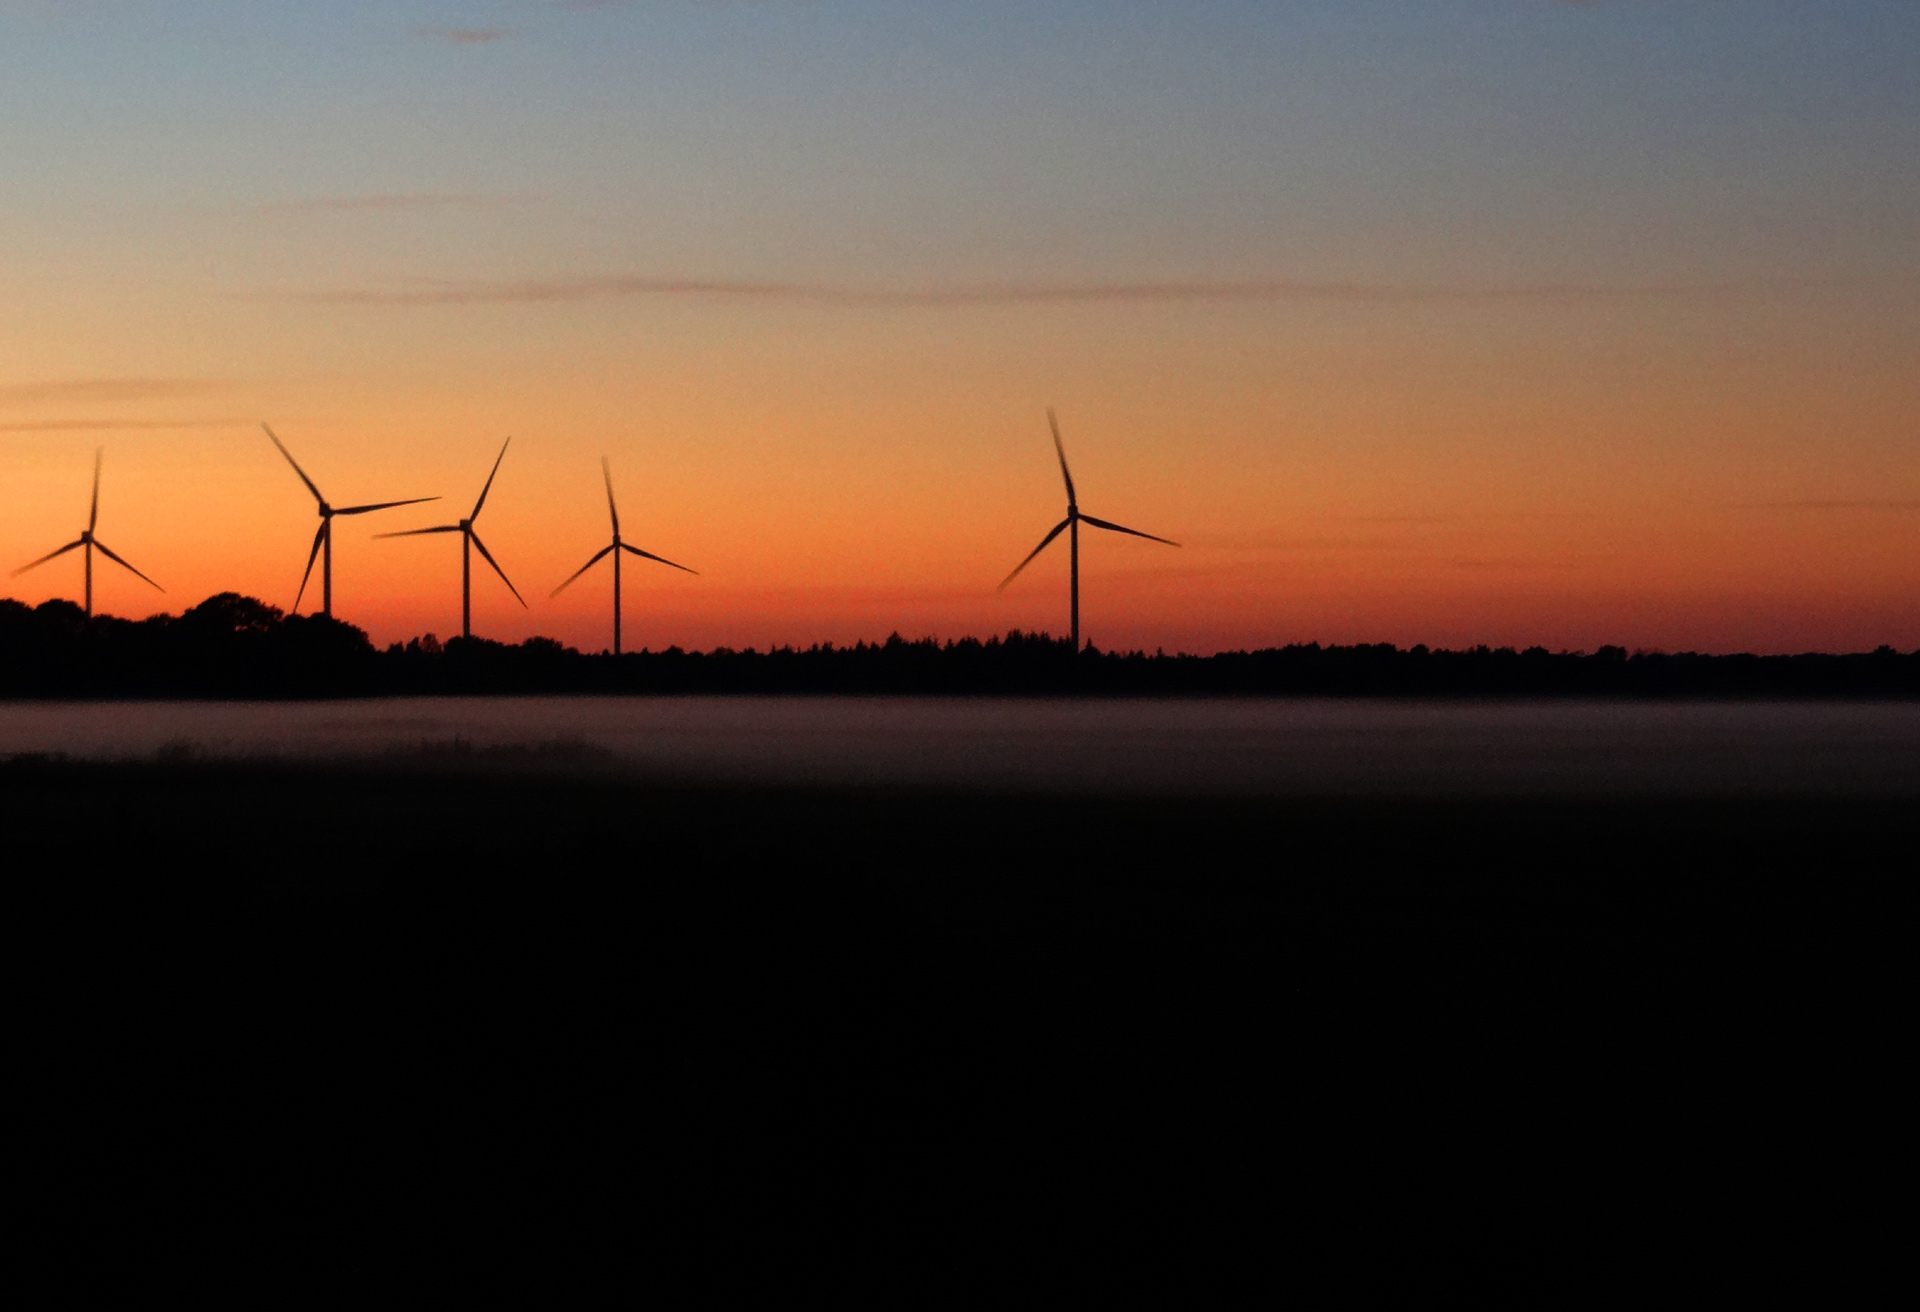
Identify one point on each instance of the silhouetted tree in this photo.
(229, 612)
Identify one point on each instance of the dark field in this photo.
(364, 1031)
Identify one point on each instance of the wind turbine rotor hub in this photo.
(326, 511)
(466, 525)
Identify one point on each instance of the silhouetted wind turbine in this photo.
(324, 537)
(468, 541)
(616, 547)
(1071, 525)
(91, 544)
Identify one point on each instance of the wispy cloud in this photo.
(1517, 563)
(428, 291)
(1469, 518)
(1463, 528)
(1257, 543)
(101, 425)
(103, 390)
(395, 200)
(467, 36)
(1835, 505)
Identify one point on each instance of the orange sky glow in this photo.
(1653, 411)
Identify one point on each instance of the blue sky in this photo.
(1498, 139)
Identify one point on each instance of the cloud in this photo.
(467, 36)
(1836, 505)
(398, 200)
(99, 425)
(1499, 518)
(432, 291)
(1258, 543)
(1515, 563)
(103, 390)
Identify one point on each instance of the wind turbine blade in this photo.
(496, 567)
(93, 515)
(384, 505)
(606, 472)
(296, 466)
(489, 487)
(318, 537)
(650, 556)
(106, 551)
(1058, 529)
(416, 532)
(582, 570)
(1061, 451)
(1115, 528)
(77, 542)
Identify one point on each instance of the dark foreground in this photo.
(348, 1033)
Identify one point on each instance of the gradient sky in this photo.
(1444, 321)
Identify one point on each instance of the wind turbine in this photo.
(92, 544)
(468, 541)
(1071, 525)
(616, 547)
(323, 538)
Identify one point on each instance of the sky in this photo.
(1442, 321)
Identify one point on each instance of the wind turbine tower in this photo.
(88, 543)
(468, 541)
(615, 547)
(1071, 526)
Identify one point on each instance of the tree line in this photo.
(232, 646)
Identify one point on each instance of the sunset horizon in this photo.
(1520, 324)
(1189, 645)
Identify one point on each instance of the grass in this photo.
(399, 1026)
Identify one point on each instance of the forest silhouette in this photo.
(233, 646)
